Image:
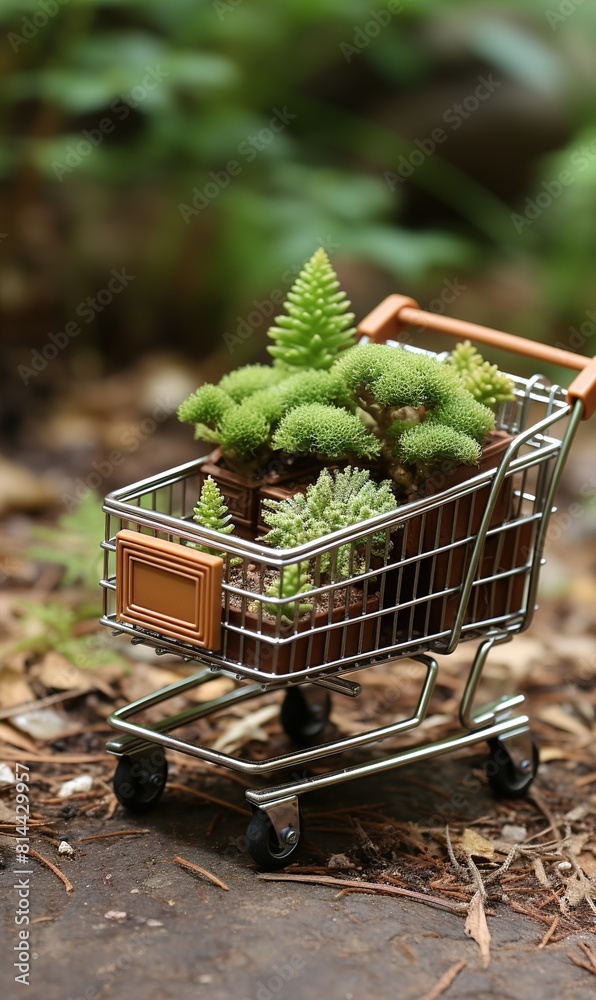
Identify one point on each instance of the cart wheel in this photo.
(140, 779)
(507, 779)
(304, 721)
(263, 845)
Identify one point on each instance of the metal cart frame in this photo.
(425, 613)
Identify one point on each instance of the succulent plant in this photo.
(486, 383)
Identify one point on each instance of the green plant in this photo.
(411, 413)
(335, 500)
(212, 513)
(242, 417)
(73, 543)
(317, 327)
(326, 432)
(486, 383)
(52, 627)
(289, 585)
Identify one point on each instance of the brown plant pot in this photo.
(454, 521)
(243, 494)
(281, 660)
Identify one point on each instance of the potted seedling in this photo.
(281, 604)
(241, 413)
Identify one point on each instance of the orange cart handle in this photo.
(397, 311)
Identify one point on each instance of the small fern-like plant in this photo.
(484, 381)
(212, 513)
(317, 325)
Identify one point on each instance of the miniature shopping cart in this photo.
(460, 562)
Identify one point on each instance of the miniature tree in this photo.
(317, 327)
(394, 393)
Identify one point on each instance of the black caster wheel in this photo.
(140, 779)
(507, 778)
(263, 845)
(303, 718)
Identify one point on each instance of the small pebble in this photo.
(81, 784)
(65, 848)
(115, 915)
(154, 923)
(564, 866)
(514, 834)
(6, 775)
(339, 861)
(205, 979)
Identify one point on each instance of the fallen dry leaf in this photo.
(246, 729)
(472, 843)
(561, 719)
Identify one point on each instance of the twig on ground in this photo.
(67, 883)
(201, 871)
(378, 887)
(113, 833)
(445, 981)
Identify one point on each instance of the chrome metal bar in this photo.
(159, 733)
(483, 716)
(574, 423)
(263, 798)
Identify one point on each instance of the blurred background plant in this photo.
(202, 149)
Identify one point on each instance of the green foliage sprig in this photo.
(288, 586)
(486, 383)
(73, 543)
(316, 327)
(335, 500)
(212, 513)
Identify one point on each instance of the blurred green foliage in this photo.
(181, 86)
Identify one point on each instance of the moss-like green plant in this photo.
(205, 409)
(429, 444)
(486, 383)
(242, 417)
(333, 501)
(212, 513)
(244, 382)
(317, 327)
(417, 408)
(294, 581)
(325, 431)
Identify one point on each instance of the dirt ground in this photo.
(114, 915)
(180, 936)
